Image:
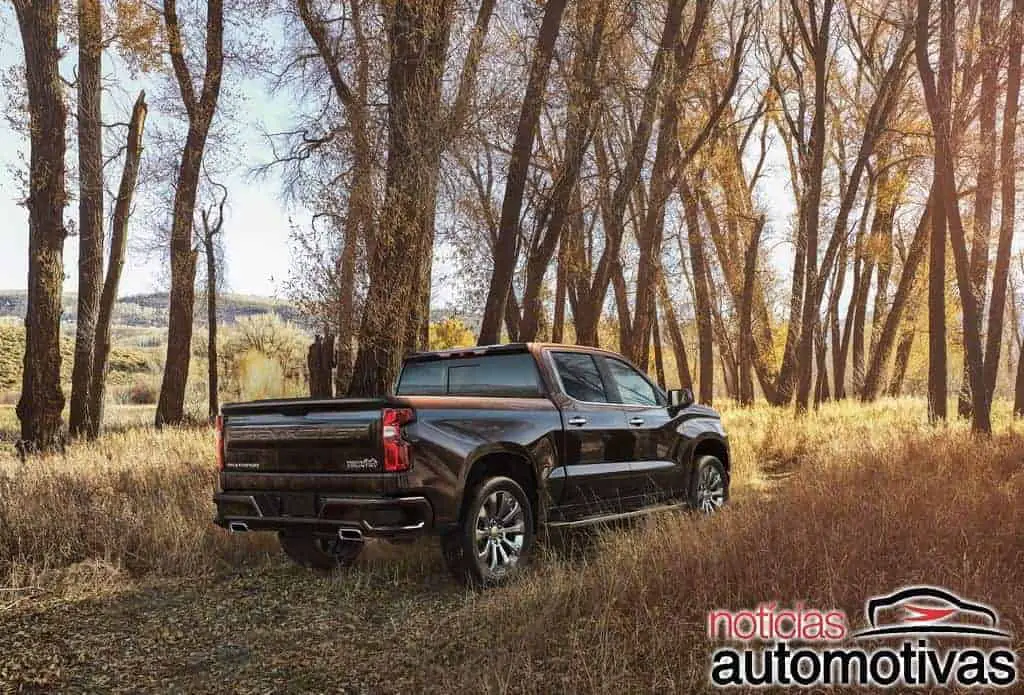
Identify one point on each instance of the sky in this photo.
(256, 224)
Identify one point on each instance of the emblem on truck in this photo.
(367, 464)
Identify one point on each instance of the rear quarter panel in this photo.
(452, 433)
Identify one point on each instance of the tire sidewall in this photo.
(701, 463)
(469, 564)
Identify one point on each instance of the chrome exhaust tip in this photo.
(350, 534)
(238, 527)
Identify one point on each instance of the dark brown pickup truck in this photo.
(480, 446)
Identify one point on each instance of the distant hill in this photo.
(150, 310)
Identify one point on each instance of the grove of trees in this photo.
(773, 194)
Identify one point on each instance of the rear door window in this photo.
(580, 376)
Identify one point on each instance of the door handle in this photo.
(636, 421)
(578, 421)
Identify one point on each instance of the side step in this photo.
(606, 518)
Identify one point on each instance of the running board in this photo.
(605, 518)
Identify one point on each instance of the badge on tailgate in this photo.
(366, 464)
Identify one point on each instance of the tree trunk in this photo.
(42, 400)
(1018, 387)
(622, 312)
(899, 370)
(515, 184)
(1008, 192)
(701, 296)
(674, 333)
(813, 176)
(841, 346)
(90, 212)
(558, 322)
(746, 332)
(171, 405)
(821, 390)
(346, 309)
(988, 65)
(414, 89)
(211, 328)
(887, 337)
(937, 316)
(938, 99)
(583, 98)
(118, 244)
(659, 363)
(613, 214)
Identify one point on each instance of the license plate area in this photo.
(298, 504)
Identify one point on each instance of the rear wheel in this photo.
(710, 487)
(495, 535)
(324, 554)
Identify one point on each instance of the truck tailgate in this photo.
(330, 436)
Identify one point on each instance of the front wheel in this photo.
(709, 489)
(495, 534)
(324, 554)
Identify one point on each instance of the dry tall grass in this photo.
(846, 503)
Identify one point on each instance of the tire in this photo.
(495, 535)
(709, 488)
(323, 554)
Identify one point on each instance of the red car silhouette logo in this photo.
(930, 610)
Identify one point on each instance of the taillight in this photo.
(396, 451)
(218, 438)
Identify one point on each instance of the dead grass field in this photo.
(112, 579)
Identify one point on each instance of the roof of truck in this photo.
(472, 350)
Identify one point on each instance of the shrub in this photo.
(143, 392)
(248, 348)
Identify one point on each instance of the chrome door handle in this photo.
(578, 421)
(636, 421)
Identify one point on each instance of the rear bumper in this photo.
(378, 517)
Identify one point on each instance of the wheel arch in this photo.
(709, 444)
(511, 462)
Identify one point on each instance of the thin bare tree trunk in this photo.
(887, 337)
(938, 99)
(211, 333)
(613, 213)
(988, 64)
(746, 332)
(659, 362)
(90, 212)
(701, 296)
(42, 400)
(821, 390)
(115, 264)
(1018, 385)
(813, 178)
(1008, 193)
(899, 369)
(674, 333)
(558, 322)
(183, 255)
(583, 99)
(522, 150)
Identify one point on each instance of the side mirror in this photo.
(680, 398)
